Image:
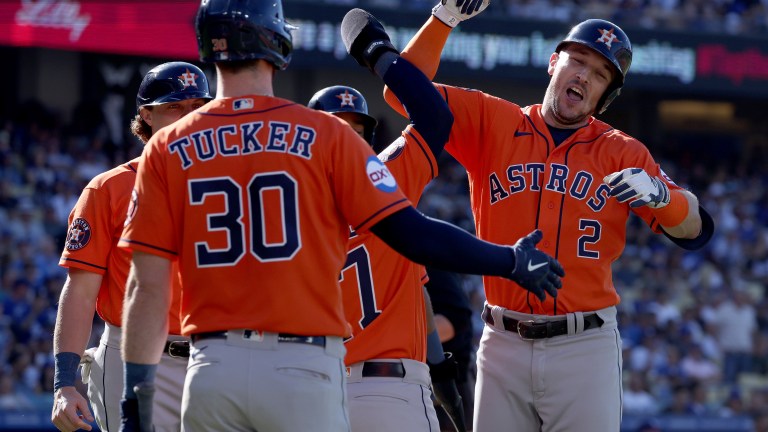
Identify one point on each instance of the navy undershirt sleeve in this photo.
(427, 111)
(435, 243)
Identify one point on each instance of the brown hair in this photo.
(140, 128)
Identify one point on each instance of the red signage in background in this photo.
(139, 27)
(717, 61)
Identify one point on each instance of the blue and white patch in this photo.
(242, 104)
(666, 177)
(393, 151)
(380, 175)
(78, 235)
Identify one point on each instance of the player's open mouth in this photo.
(574, 94)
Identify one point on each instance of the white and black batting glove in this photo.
(452, 12)
(635, 186)
(534, 270)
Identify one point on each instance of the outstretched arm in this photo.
(435, 243)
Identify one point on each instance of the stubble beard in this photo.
(574, 120)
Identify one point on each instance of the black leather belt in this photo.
(541, 329)
(177, 349)
(281, 337)
(383, 369)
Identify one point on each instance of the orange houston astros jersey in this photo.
(382, 290)
(255, 196)
(95, 225)
(519, 181)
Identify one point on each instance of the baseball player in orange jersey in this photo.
(98, 272)
(555, 365)
(382, 290)
(254, 196)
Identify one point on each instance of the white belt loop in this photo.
(497, 313)
(354, 372)
(570, 320)
(579, 321)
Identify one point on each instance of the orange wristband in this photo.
(674, 213)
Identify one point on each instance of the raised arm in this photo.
(368, 42)
(425, 48)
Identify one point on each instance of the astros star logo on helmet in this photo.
(188, 79)
(607, 37)
(347, 99)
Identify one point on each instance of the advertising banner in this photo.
(491, 46)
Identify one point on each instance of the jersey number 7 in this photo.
(358, 261)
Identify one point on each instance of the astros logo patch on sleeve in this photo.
(380, 175)
(79, 234)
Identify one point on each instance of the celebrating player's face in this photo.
(580, 76)
(163, 115)
(354, 121)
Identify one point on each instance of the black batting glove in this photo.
(365, 38)
(446, 393)
(534, 270)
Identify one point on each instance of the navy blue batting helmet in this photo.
(611, 42)
(172, 82)
(237, 30)
(339, 99)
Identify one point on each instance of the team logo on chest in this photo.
(78, 235)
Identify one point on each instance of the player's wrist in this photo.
(675, 212)
(135, 374)
(65, 369)
(445, 16)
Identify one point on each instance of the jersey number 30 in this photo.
(230, 221)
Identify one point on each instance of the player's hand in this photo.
(635, 186)
(364, 38)
(70, 410)
(136, 414)
(534, 270)
(452, 12)
(444, 376)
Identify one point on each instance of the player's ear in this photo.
(146, 115)
(552, 62)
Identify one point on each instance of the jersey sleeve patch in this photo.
(133, 205)
(393, 151)
(78, 235)
(379, 175)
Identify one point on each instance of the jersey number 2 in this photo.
(592, 236)
(230, 221)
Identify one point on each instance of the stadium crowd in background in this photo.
(742, 17)
(695, 324)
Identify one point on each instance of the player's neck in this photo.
(256, 81)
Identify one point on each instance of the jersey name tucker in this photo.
(241, 139)
(557, 179)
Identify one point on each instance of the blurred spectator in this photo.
(736, 322)
(698, 368)
(637, 398)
